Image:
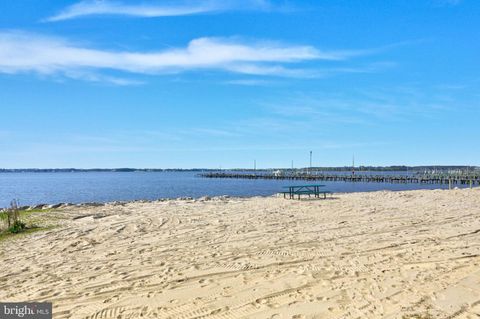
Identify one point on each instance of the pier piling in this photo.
(473, 180)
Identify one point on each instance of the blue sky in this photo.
(168, 84)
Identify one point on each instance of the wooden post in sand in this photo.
(471, 182)
(449, 183)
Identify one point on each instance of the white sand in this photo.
(364, 255)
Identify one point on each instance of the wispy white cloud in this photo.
(156, 8)
(366, 107)
(269, 70)
(25, 52)
(303, 73)
(100, 78)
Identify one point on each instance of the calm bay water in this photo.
(50, 188)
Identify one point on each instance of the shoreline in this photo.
(63, 205)
(123, 202)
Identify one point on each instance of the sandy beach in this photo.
(412, 254)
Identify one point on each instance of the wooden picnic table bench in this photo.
(305, 190)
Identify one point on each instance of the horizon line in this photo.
(235, 168)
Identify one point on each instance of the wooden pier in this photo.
(470, 180)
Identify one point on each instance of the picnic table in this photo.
(304, 190)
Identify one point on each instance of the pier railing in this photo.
(472, 180)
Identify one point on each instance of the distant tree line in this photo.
(80, 170)
(396, 168)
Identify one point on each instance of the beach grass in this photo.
(35, 220)
(6, 235)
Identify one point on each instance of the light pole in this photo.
(353, 164)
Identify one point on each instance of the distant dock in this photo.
(472, 180)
